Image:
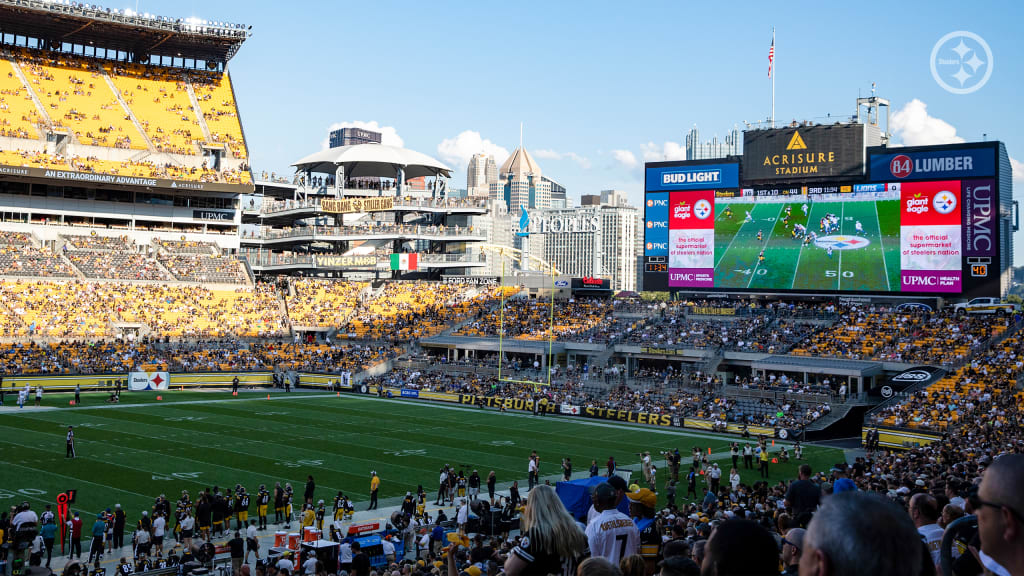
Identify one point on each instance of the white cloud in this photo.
(666, 151)
(549, 154)
(914, 127)
(457, 151)
(388, 134)
(1018, 173)
(626, 158)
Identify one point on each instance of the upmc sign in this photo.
(804, 153)
(933, 165)
(689, 176)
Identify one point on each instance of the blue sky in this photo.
(595, 82)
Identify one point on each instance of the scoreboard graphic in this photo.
(908, 237)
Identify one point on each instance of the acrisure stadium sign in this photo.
(802, 153)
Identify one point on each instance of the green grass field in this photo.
(790, 265)
(132, 452)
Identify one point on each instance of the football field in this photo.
(865, 258)
(133, 452)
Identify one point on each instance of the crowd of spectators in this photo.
(912, 336)
(986, 389)
(531, 319)
(200, 268)
(120, 356)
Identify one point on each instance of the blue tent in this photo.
(575, 496)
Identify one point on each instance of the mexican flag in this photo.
(403, 262)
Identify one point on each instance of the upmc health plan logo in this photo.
(961, 62)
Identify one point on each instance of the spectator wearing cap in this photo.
(642, 504)
(792, 547)
(740, 547)
(999, 506)
(98, 529)
(855, 533)
(620, 487)
(612, 534)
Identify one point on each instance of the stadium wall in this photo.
(901, 438)
(97, 382)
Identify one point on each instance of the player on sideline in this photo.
(262, 499)
(71, 443)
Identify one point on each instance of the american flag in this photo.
(771, 57)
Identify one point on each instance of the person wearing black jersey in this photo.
(278, 503)
(339, 508)
(262, 500)
(241, 509)
(552, 543)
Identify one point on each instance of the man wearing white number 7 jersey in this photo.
(611, 535)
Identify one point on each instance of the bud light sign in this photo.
(684, 176)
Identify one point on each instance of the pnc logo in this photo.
(796, 142)
(651, 224)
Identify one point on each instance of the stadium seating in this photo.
(532, 319)
(917, 337)
(975, 390)
(160, 101)
(199, 268)
(186, 247)
(19, 117)
(27, 260)
(217, 104)
(76, 97)
(169, 311)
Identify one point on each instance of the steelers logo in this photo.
(702, 209)
(357, 205)
(944, 202)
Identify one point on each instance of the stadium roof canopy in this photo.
(837, 366)
(56, 22)
(373, 160)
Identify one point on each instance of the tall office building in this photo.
(481, 171)
(714, 148)
(597, 240)
(521, 184)
(558, 199)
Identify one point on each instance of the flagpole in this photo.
(773, 77)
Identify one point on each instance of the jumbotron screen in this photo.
(888, 237)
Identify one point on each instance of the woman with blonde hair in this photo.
(552, 542)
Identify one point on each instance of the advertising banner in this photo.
(692, 177)
(116, 180)
(472, 280)
(410, 393)
(138, 381)
(804, 153)
(353, 205)
(626, 416)
(331, 261)
(933, 165)
(656, 224)
(507, 403)
(691, 238)
(930, 236)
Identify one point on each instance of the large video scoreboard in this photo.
(920, 221)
